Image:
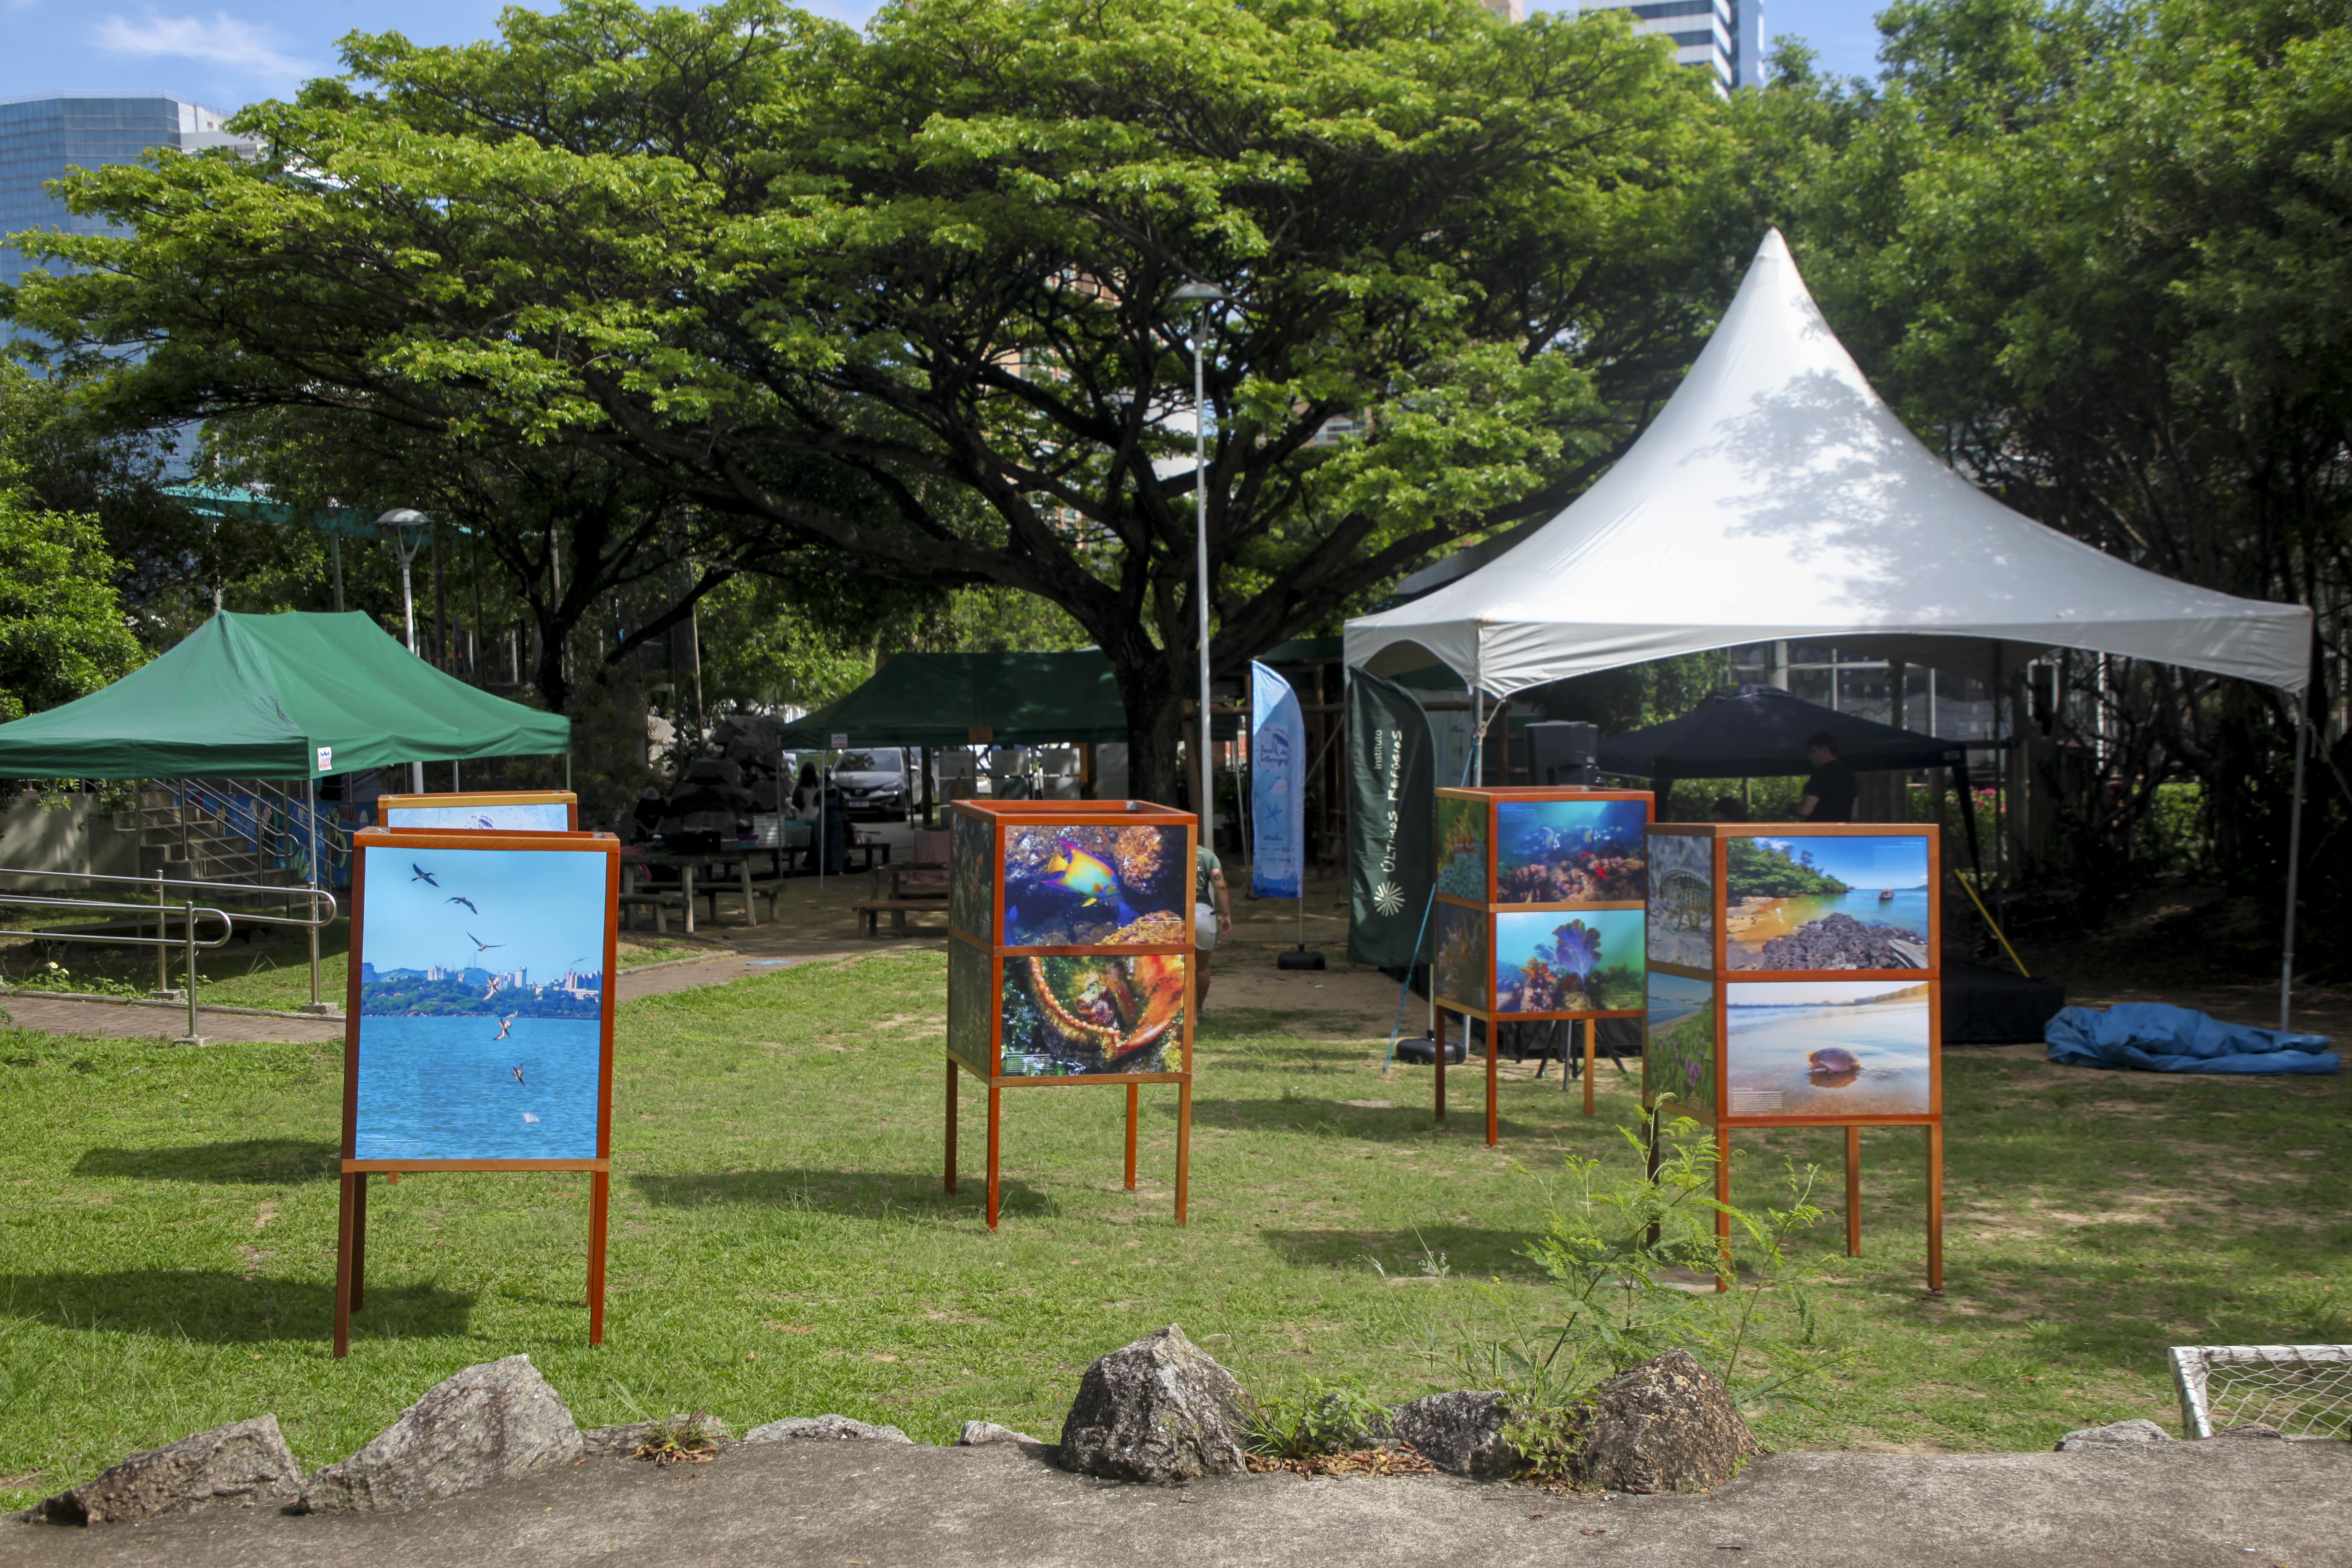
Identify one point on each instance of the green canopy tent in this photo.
(290, 696)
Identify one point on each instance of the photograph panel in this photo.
(1682, 900)
(1678, 1045)
(1826, 902)
(1828, 1047)
(972, 877)
(1551, 961)
(1462, 847)
(972, 1005)
(481, 1003)
(1571, 851)
(520, 817)
(1461, 965)
(1095, 1013)
(1095, 885)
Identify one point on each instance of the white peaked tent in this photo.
(1775, 497)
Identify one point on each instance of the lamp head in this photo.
(1196, 294)
(404, 516)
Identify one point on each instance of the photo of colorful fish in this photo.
(1552, 963)
(1462, 847)
(1461, 967)
(971, 1005)
(971, 875)
(1096, 887)
(1678, 1048)
(1682, 900)
(1094, 1014)
(1571, 851)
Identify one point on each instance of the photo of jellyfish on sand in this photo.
(1830, 902)
(1827, 1048)
(481, 1003)
(1460, 971)
(1571, 851)
(1087, 887)
(1679, 1052)
(1098, 1013)
(1462, 847)
(1682, 900)
(1552, 963)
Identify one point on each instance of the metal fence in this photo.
(2297, 1391)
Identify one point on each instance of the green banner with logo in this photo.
(1392, 823)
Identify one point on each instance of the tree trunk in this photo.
(1155, 723)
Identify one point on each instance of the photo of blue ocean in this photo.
(447, 1089)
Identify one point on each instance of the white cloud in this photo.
(223, 41)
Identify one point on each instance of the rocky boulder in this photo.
(495, 1422)
(1667, 1426)
(1838, 942)
(2135, 1430)
(1158, 1410)
(245, 1463)
(1461, 1433)
(823, 1428)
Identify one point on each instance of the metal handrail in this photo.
(316, 895)
(189, 913)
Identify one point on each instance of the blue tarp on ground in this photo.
(2156, 1036)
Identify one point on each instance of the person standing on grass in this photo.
(1212, 918)
(1829, 792)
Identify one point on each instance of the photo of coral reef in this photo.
(1096, 1013)
(1461, 968)
(1828, 1047)
(1552, 962)
(1571, 851)
(1678, 1050)
(1827, 902)
(971, 1003)
(1085, 887)
(1462, 847)
(972, 890)
(1682, 900)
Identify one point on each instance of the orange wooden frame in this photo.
(386, 803)
(1720, 978)
(1490, 909)
(351, 1240)
(997, 816)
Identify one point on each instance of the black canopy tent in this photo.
(1759, 732)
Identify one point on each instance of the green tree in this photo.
(907, 298)
(62, 633)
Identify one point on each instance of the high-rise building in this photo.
(1723, 37)
(42, 137)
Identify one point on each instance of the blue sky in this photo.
(545, 908)
(1864, 862)
(225, 56)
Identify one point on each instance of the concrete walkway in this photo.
(870, 1505)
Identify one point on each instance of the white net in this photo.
(2297, 1391)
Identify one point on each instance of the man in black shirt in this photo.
(1829, 792)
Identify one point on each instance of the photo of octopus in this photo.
(1093, 1013)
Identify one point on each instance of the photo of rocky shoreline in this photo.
(1842, 941)
(1831, 902)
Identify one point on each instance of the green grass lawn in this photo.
(273, 971)
(781, 1245)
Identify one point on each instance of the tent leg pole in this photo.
(2294, 877)
(310, 804)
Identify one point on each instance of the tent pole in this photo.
(310, 807)
(2294, 875)
(335, 548)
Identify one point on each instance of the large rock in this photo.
(823, 1428)
(2135, 1430)
(495, 1422)
(1460, 1433)
(246, 1463)
(1665, 1425)
(1158, 1410)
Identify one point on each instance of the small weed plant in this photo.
(682, 1440)
(55, 976)
(1322, 1417)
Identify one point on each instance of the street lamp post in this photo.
(1204, 295)
(401, 520)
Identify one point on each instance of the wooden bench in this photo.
(871, 910)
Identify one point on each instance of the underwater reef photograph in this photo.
(1571, 851)
(1092, 1013)
(1551, 962)
(1461, 967)
(971, 882)
(1095, 885)
(1462, 847)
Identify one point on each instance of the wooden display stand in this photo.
(441, 861)
(1070, 958)
(1795, 982)
(490, 810)
(1508, 860)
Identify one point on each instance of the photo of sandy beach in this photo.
(1828, 902)
(1827, 1048)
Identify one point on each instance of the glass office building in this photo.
(41, 138)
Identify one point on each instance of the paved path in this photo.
(2232, 1502)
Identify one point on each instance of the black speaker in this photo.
(1563, 754)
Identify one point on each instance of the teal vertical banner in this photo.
(1277, 785)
